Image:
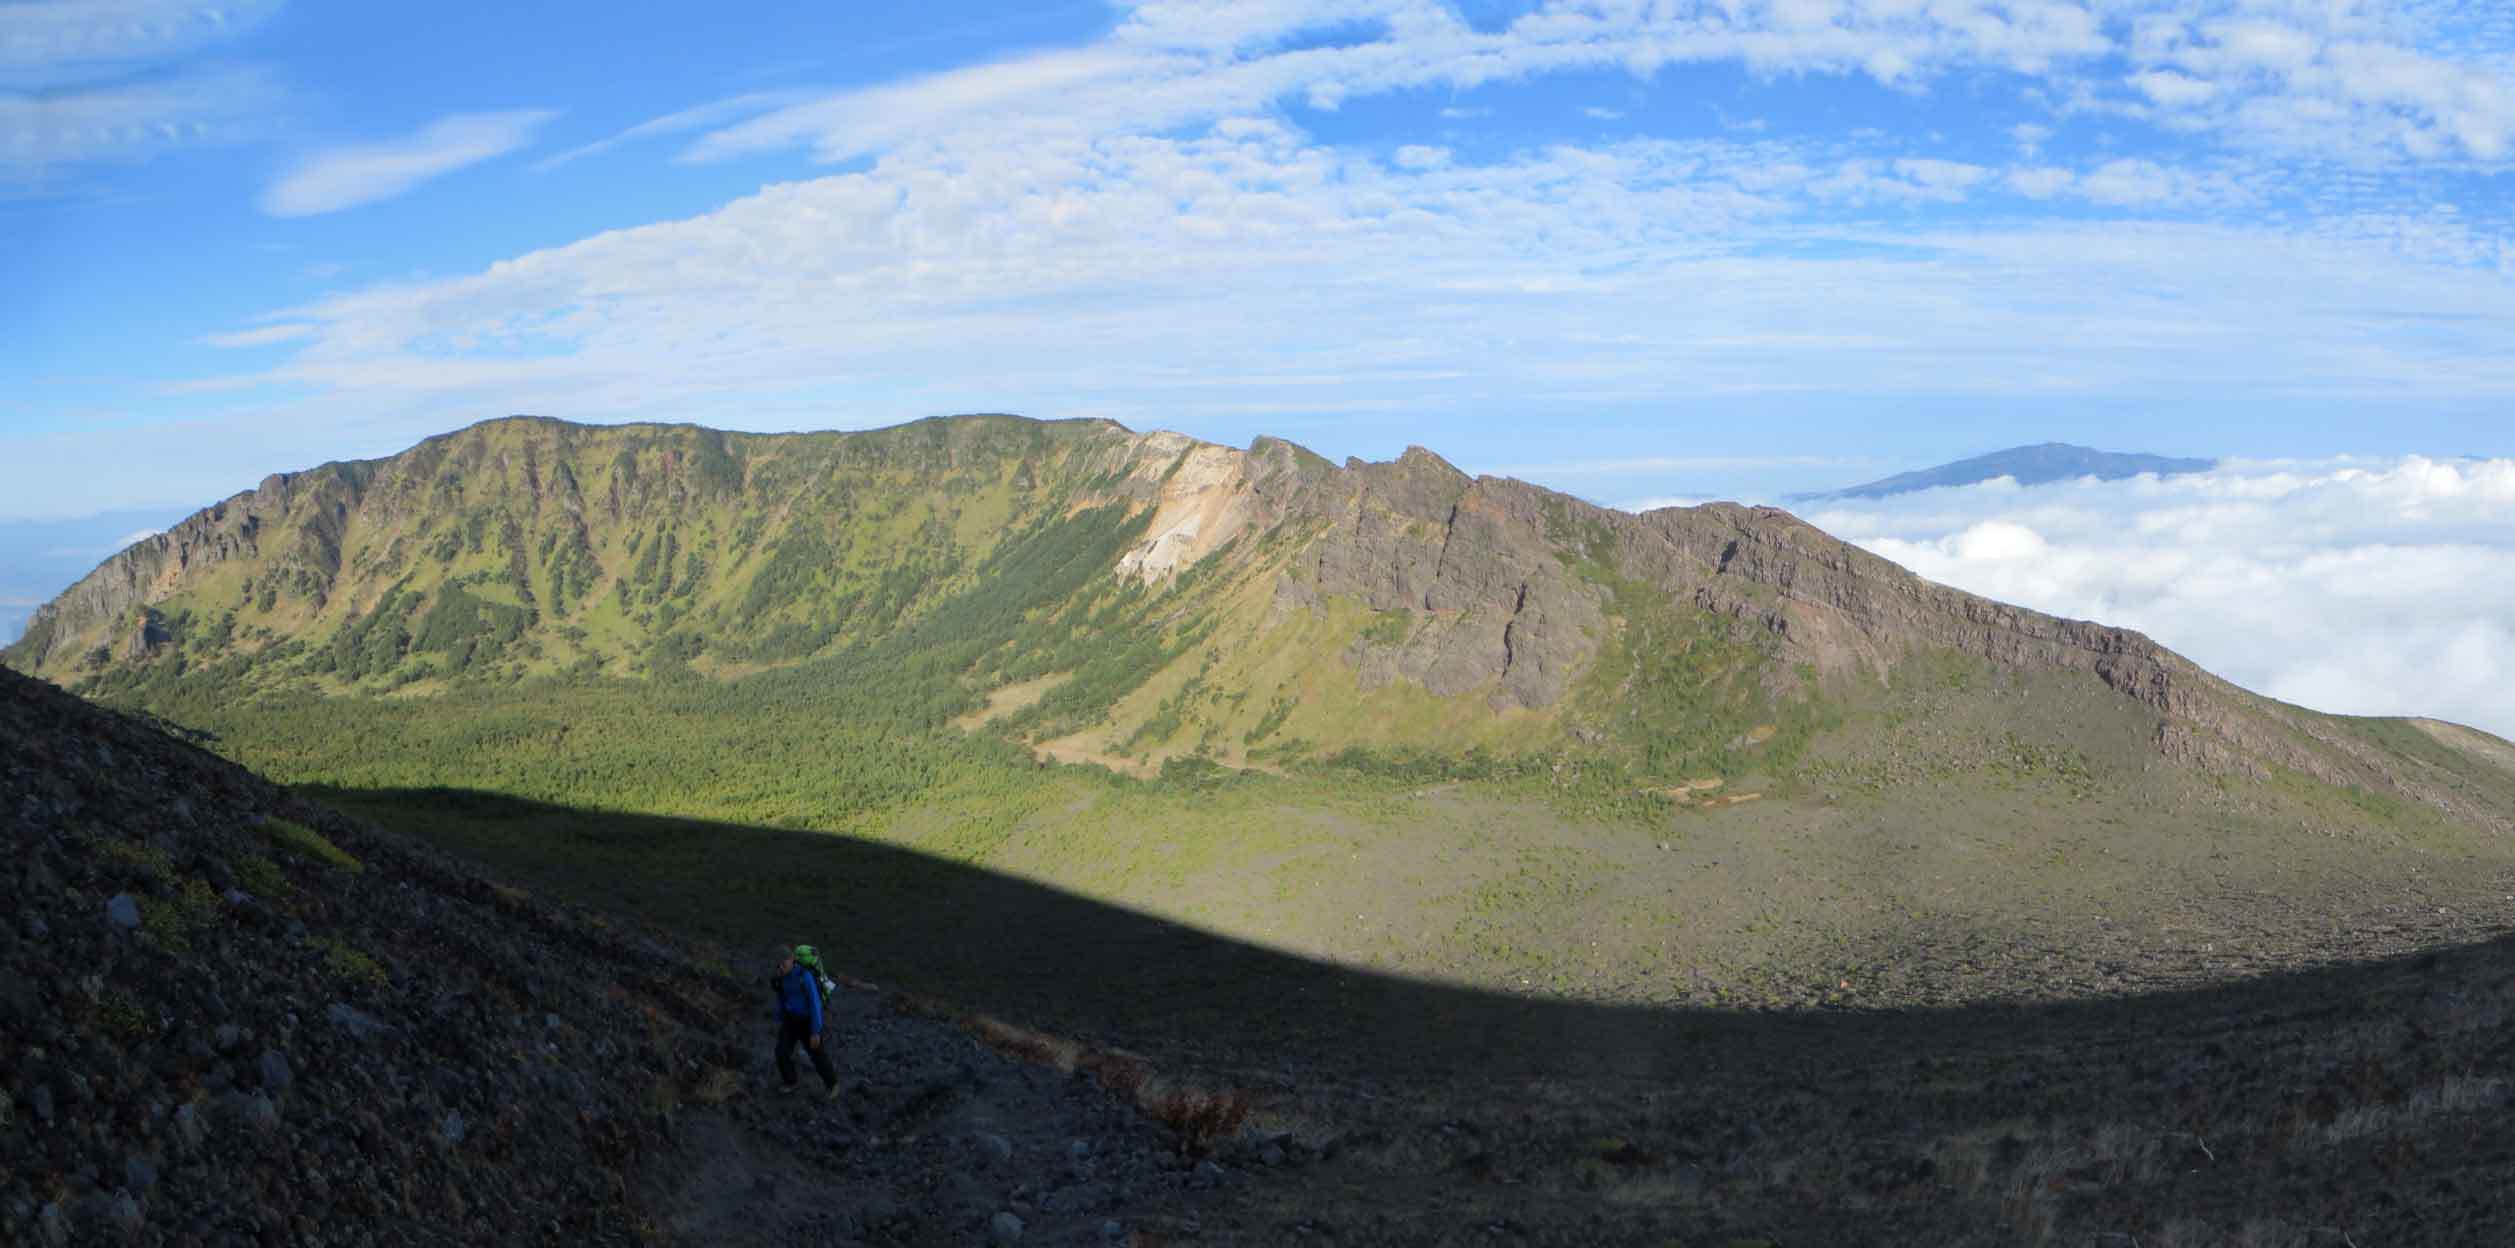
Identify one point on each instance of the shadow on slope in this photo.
(2365, 1103)
(1046, 956)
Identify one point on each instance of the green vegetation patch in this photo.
(262, 877)
(309, 844)
(147, 858)
(173, 923)
(348, 963)
(1683, 691)
(121, 1015)
(1389, 628)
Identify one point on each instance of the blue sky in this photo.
(1683, 248)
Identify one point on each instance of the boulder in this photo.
(357, 1022)
(275, 1072)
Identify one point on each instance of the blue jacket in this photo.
(799, 996)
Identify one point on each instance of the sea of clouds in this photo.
(2359, 586)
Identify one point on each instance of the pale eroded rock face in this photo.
(1204, 501)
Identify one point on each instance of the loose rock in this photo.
(276, 1075)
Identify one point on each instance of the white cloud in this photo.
(1169, 64)
(2331, 80)
(1097, 229)
(2128, 182)
(1108, 274)
(345, 177)
(50, 44)
(700, 117)
(43, 131)
(264, 336)
(2170, 88)
(1940, 175)
(108, 80)
(852, 123)
(2041, 183)
(102, 551)
(1595, 113)
(2376, 587)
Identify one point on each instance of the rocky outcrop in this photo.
(1489, 600)
(1840, 608)
(312, 508)
(1203, 501)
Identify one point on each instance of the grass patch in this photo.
(311, 845)
(262, 877)
(349, 964)
(124, 1017)
(1389, 628)
(147, 858)
(174, 923)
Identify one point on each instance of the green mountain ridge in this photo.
(1389, 713)
(526, 547)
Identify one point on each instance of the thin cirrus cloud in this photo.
(43, 132)
(52, 44)
(110, 81)
(850, 123)
(346, 177)
(701, 117)
(2368, 587)
(262, 336)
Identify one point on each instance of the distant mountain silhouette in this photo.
(2030, 465)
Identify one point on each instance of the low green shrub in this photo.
(145, 857)
(262, 877)
(307, 843)
(348, 963)
(174, 923)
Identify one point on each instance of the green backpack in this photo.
(810, 959)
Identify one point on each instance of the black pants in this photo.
(792, 1031)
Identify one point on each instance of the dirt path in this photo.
(732, 1184)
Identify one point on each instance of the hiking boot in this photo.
(787, 1089)
(833, 1092)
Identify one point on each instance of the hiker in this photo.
(800, 1017)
